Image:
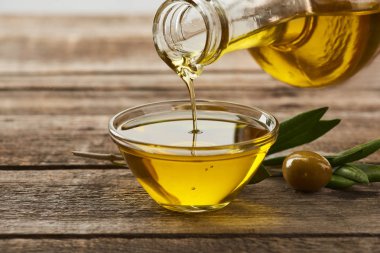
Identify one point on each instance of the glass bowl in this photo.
(193, 172)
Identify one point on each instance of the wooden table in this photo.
(62, 78)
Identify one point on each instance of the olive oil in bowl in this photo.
(188, 171)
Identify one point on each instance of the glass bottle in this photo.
(305, 43)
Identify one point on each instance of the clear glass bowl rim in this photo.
(257, 142)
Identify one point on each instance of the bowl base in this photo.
(194, 209)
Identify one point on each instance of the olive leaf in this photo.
(275, 161)
(356, 153)
(301, 121)
(353, 173)
(302, 129)
(260, 174)
(371, 170)
(310, 134)
(339, 182)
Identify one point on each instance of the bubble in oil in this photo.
(195, 131)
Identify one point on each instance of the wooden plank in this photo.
(156, 245)
(43, 118)
(368, 78)
(280, 102)
(78, 94)
(59, 44)
(42, 139)
(55, 26)
(85, 202)
(72, 44)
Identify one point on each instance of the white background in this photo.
(89, 7)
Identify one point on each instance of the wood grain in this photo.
(44, 118)
(62, 78)
(196, 245)
(81, 94)
(83, 202)
(113, 44)
(49, 139)
(58, 44)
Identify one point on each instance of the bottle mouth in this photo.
(187, 30)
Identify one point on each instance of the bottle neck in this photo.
(191, 30)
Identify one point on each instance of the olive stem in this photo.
(113, 158)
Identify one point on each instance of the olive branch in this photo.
(296, 131)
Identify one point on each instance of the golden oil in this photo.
(315, 50)
(184, 177)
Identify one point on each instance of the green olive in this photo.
(306, 171)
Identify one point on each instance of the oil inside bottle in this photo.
(317, 50)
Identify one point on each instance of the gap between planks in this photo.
(158, 245)
(61, 167)
(80, 167)
(186, 235)
(119, 72)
